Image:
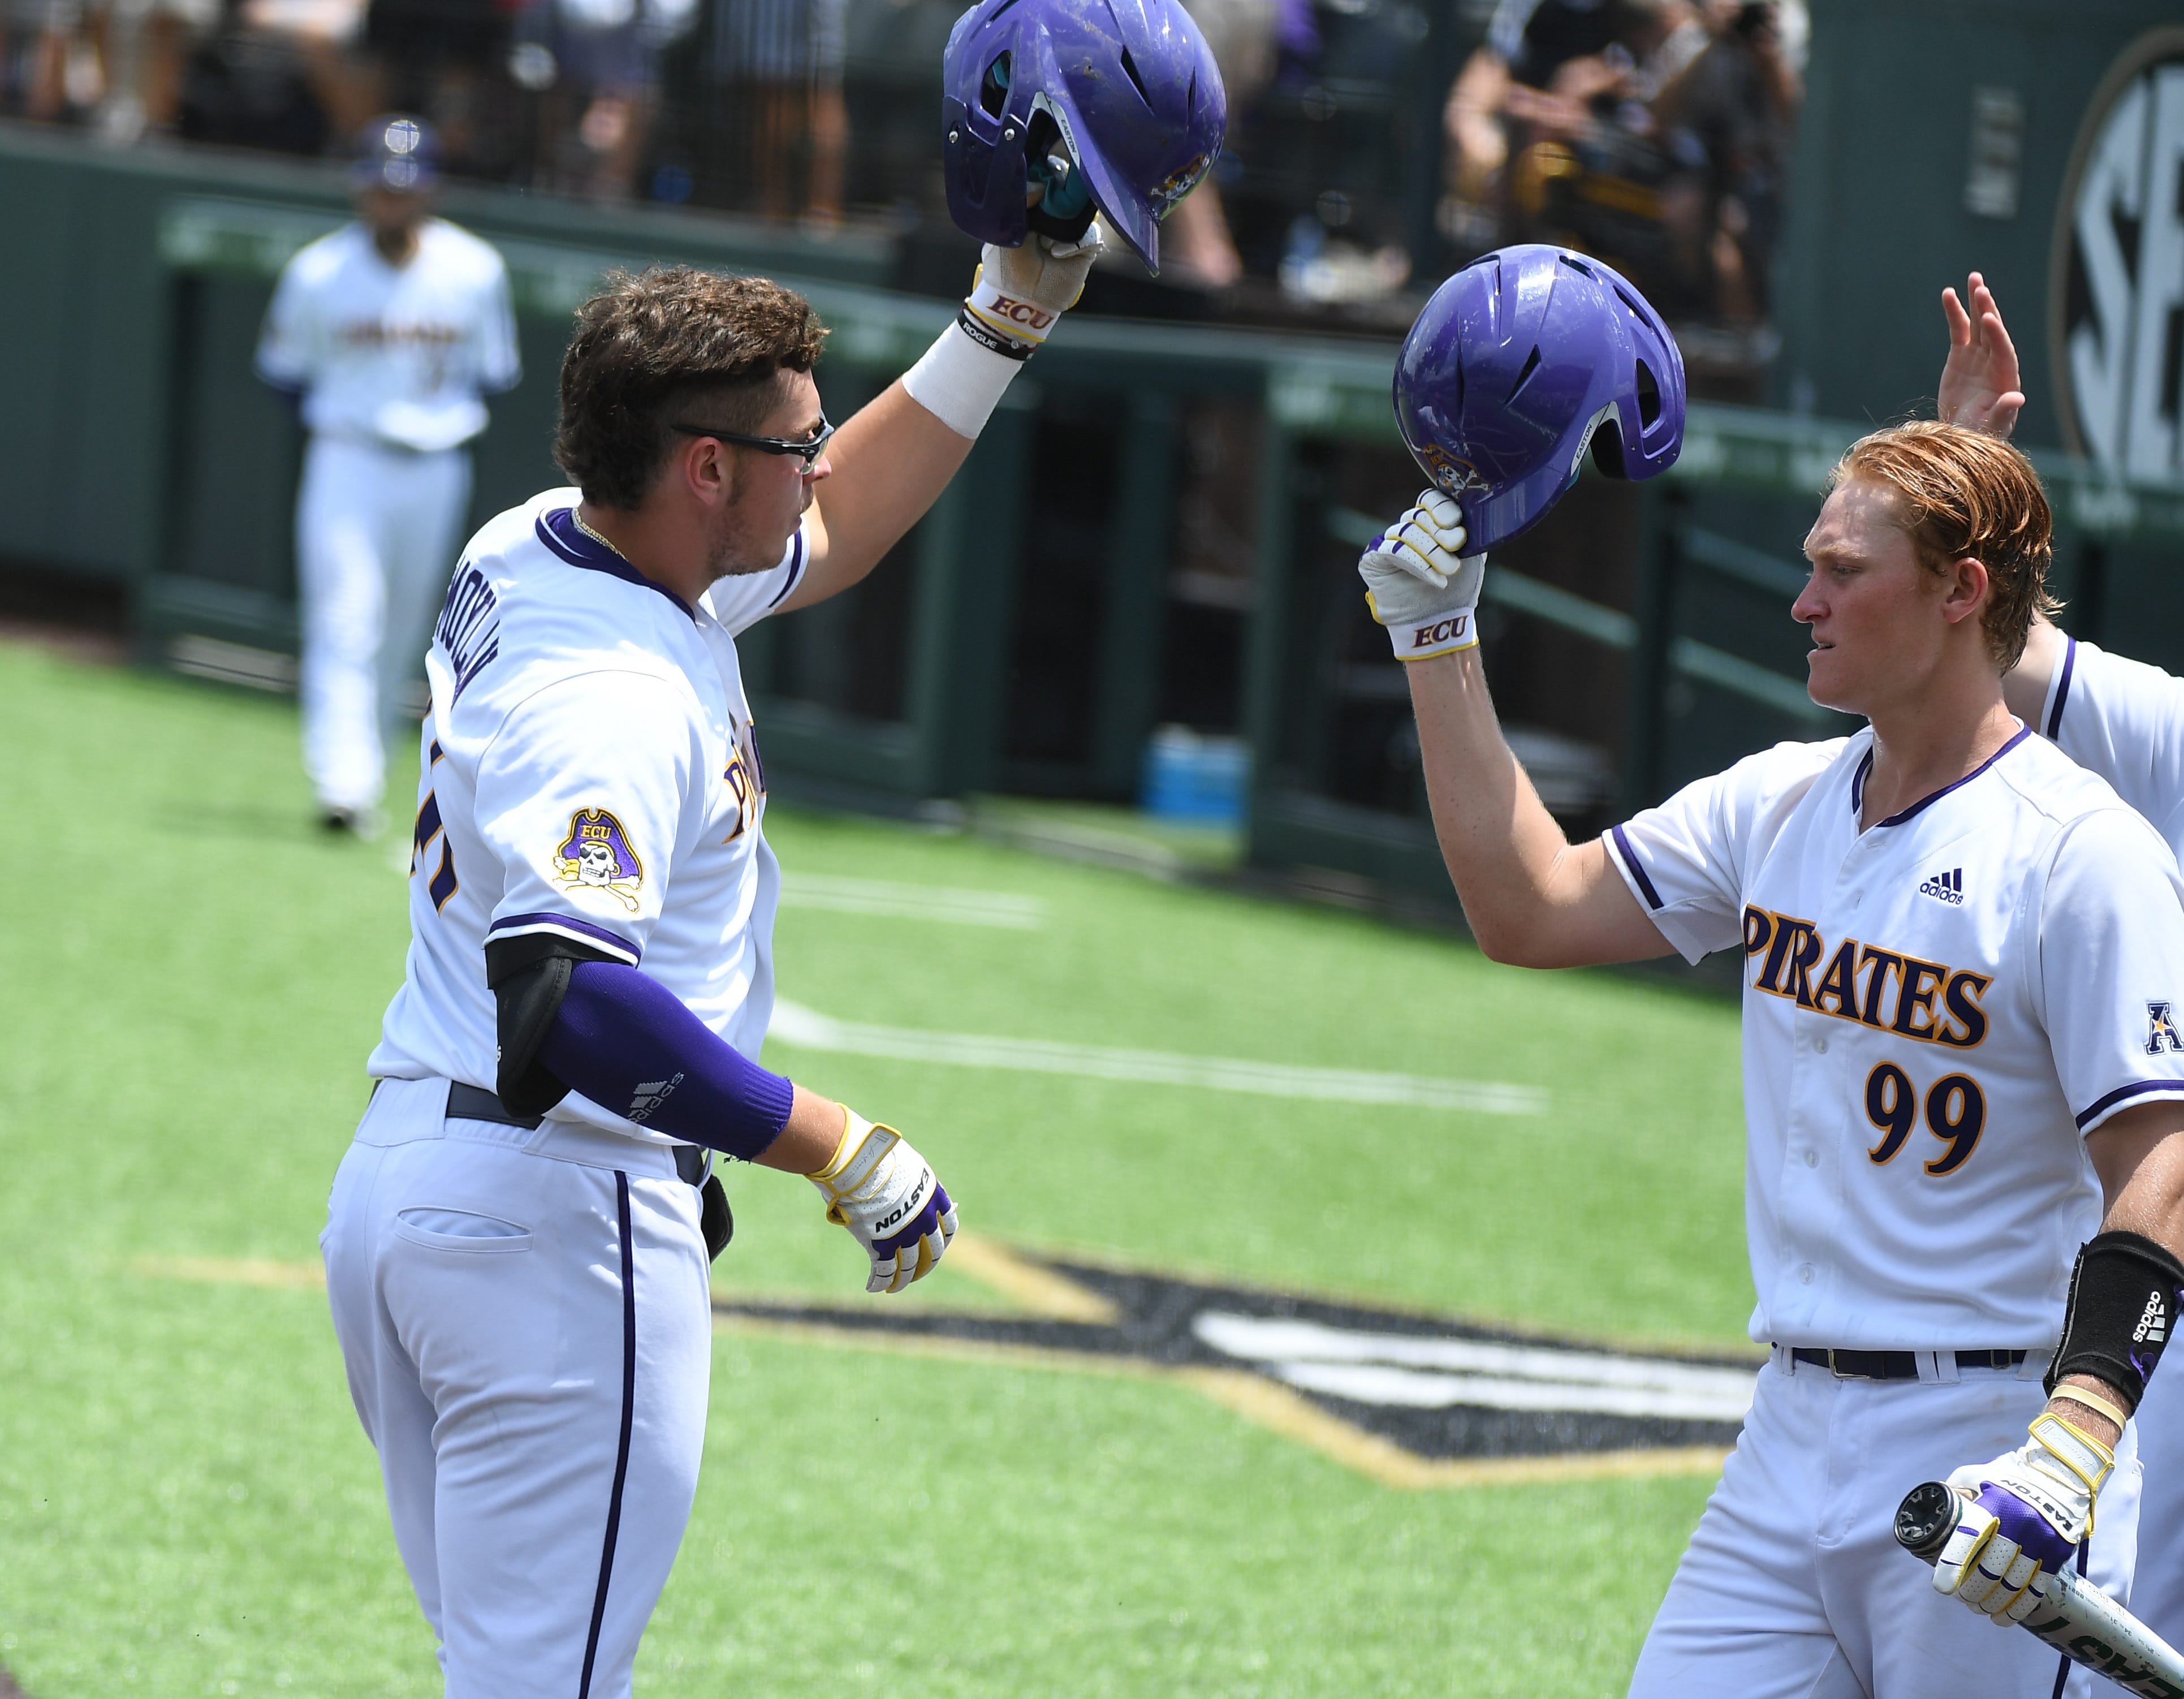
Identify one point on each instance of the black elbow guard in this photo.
(529, 976)
(2122, 1305)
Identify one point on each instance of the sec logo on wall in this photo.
(2116, 288)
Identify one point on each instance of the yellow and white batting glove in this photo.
(1019, 292)
(886, 1195)
(2020, 1518)
(1420, 584)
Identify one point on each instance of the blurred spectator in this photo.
(1552, 70)
(755, 91)
(594, 66)
(1241, 34)
(1651, 132)
(283, 75)
(115, 63)
(1734, 107)
(447, 59)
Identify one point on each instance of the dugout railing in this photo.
(1061, 599)
(1639, 639)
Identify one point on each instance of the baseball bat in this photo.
(2077, 1618)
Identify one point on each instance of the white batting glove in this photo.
(1019, 292)
(2020, 1518)
(886, 1195)
(1420, 584)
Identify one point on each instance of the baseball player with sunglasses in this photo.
(517, 1241)
(1966, 1161)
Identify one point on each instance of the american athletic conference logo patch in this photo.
(596, 855)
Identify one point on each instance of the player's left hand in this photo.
(1420, 584)
(885, 1194)
(1980, 379)
(2021, 1517)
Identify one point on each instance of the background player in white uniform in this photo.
(1954, 941)
(517, 1241)
(390, 331)
(2125, 720)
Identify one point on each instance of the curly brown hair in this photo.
(1961, 493)
(670, 338)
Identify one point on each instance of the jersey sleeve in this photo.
(499, 366)
(287, 358)
(2125, 720)
(2111, 969)
(741, 601)
(585, 795)
(1685, 861)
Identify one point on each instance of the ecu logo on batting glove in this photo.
(1420, 585)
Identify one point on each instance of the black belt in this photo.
(474, 1103)
(1895, 1365)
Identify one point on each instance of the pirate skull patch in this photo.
(596, 855)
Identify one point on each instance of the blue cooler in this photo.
(1195, 777)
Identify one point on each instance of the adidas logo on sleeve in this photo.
(1946, 887)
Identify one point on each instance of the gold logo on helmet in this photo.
(1177, 184)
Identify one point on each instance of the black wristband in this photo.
(2122, 1305)
(987, 336)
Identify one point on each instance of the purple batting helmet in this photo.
(1519, 362)
(1124, 91)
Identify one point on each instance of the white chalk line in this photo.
(809, 1029)
(897, 901)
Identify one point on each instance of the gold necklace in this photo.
(577, 514)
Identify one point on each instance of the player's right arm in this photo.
(287, 353)
(1532, 897)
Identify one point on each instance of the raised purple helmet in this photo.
(1519, 362)
(1124, 91)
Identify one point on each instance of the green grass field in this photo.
(187, 1504)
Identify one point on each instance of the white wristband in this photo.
(960, 383)
(1441, 634)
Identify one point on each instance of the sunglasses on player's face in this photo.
(807, 448)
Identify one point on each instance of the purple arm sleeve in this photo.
(630, 1045)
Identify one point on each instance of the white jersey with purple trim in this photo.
(590, 769)
(1936, 1010)
(394, 354)
(2125, 720)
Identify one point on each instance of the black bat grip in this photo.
(1926, 1518)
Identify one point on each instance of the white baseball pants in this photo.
(526, 1320)
(377, 533)
(2157, 1595)
(1794, 1587)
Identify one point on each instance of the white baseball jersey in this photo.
(399, 355)
(590, 769)
(1936, 1010)
(2125, 720)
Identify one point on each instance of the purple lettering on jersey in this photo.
(469, 627)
